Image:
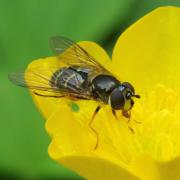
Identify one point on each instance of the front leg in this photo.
(114, 114)
(126, 114)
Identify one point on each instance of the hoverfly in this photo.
(82, 78)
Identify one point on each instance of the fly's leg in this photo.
(138, 122)
(114, 113)
(131, 129)
(43, 95)
(90, 126)
(127, 114)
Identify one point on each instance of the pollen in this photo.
(155, 121)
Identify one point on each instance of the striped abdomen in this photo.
(70, 79)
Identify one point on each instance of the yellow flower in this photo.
(147, 55)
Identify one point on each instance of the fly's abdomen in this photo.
(67, 78)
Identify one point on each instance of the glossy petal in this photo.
(96, 169)
(47, 105)
(148, 51)
(147, 168)
(72, 145)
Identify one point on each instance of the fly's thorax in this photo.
(102, 85)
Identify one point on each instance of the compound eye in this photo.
(117, 99)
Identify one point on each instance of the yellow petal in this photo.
(67, 133)
(96, 169)
(148, 51)
(148, 169)
(45, 105)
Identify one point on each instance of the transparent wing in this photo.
(41, 82)
(71, 54)
(34, 80)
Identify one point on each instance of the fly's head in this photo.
(122, 97)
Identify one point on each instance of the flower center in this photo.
(159, 111)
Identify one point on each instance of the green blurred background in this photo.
(25, 28)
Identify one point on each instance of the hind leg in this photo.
(90, 126)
